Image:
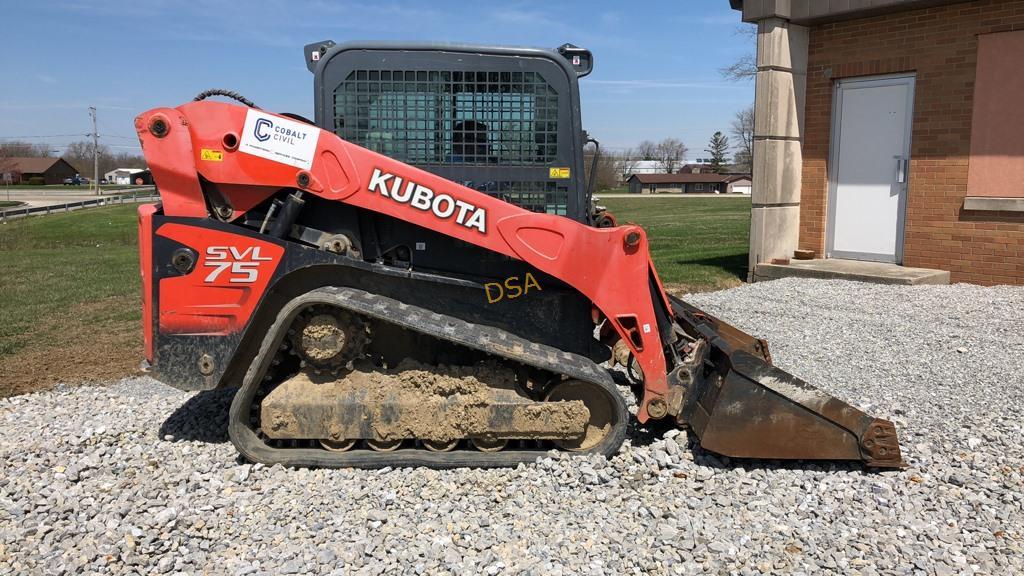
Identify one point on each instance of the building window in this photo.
(997, 149)
(698, 187)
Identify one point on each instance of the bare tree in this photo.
(743, 130)
(126, 160)
(607, 173)
(79, 154)
(670, 152)
(745, 67)
(647, 150)
(627, 160)
(20, 149)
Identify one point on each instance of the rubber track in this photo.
(484, 338)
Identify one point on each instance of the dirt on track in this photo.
(63, 349)
(438, 403)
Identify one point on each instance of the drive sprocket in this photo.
(326, 338)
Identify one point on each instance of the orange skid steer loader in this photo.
(338, 270)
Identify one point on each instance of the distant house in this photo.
(685, 183)
(129, 176)
(696, 169)
(741, 185)
(22, 170)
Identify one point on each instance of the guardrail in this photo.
(22, 211)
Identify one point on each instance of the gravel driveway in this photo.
(139, 478)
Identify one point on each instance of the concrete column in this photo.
(778, 130)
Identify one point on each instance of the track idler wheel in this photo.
(606, 428)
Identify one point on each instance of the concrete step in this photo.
(836, 269)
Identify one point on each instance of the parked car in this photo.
(76, 181)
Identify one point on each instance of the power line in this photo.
(107, 133)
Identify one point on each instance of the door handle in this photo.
(901, 170)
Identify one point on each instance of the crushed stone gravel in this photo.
(136, 477)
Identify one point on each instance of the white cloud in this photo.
(611, 18)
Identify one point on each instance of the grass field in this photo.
(69, 305)
(8, 203)
(698, 244)
(69, 293)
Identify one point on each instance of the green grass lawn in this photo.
(698, 244)
(69, 293)
(8, 203)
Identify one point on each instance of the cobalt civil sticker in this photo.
(279, 139)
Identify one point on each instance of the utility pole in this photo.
(95, 151)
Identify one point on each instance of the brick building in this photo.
(889, 131)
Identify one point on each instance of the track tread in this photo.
(488, 339)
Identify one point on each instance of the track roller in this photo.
(437, 446)
(485, 445)
(337, 445)
(384, 445)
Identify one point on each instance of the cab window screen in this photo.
(450, 117)
(538, 196)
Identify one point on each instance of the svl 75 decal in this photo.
(242, 266)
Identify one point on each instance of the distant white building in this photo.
(122, 175)
(629, 167)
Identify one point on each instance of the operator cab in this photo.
(501, 120)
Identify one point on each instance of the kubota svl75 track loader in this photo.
(433, 287)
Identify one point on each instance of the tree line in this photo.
(670, 153)
(78, 154)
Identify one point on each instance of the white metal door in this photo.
(870, 159)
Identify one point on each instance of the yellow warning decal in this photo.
(211, 155)
(558, 173)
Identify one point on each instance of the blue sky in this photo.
(655, 75)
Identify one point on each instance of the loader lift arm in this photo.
(692, 367)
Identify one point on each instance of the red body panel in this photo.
(344, 172)
(219, 297)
